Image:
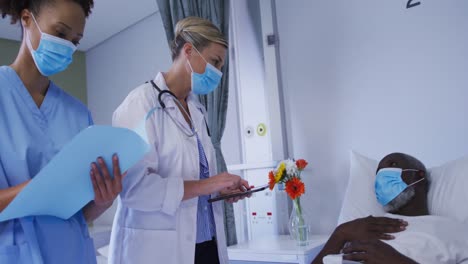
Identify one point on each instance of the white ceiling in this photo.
(109, 17)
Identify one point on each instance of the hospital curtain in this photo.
(217, 11)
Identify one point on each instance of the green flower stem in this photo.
(297, 203)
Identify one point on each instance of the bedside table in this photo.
(275, 249)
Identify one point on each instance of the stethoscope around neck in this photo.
(189, 133)
(163, 92)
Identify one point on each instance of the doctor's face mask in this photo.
(389, 185)
(206, 82)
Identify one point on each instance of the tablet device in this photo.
(232, 195)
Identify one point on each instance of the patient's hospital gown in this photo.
(29, 138)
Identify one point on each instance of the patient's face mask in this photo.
(389, 184)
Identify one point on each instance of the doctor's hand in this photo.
(374, 251)
(239, 190)
(106, 188)
(371, 228)
(226, 182)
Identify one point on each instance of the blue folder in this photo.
(63, 186)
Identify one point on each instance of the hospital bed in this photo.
(441, 237)
(447, 198)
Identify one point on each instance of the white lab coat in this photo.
(152, 223)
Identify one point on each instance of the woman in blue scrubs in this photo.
(37, 118)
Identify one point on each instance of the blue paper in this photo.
(64, 186)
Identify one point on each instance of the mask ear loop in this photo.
(415, 170)
(410, 170)
(420, 180)
(190, 65)
(28, 35)
(193, 46)
(35, 22)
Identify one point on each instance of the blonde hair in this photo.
(197, 31)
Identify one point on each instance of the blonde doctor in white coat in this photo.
(163, 215)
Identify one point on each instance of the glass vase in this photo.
(298, 229)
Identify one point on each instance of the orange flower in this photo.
(272, 181)
(301, 164)
(295, 188)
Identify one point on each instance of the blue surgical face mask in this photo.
(53, 55)
(205, 83)
(389, 184)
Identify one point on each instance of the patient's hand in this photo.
(374, 251)
(371, 228)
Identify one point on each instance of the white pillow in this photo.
(359, 200)
(448, 190)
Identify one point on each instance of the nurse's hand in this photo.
(106, 188)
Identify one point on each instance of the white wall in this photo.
(119, 65)
(122, 63)
(375, 77)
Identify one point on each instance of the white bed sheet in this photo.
(429, 240)
(432, 239)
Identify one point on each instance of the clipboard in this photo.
(233, 195)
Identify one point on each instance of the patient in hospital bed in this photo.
(407, 233)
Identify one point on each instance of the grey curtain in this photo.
(217, 11)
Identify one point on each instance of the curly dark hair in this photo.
(13, 8)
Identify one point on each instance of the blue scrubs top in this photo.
(29, 138)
